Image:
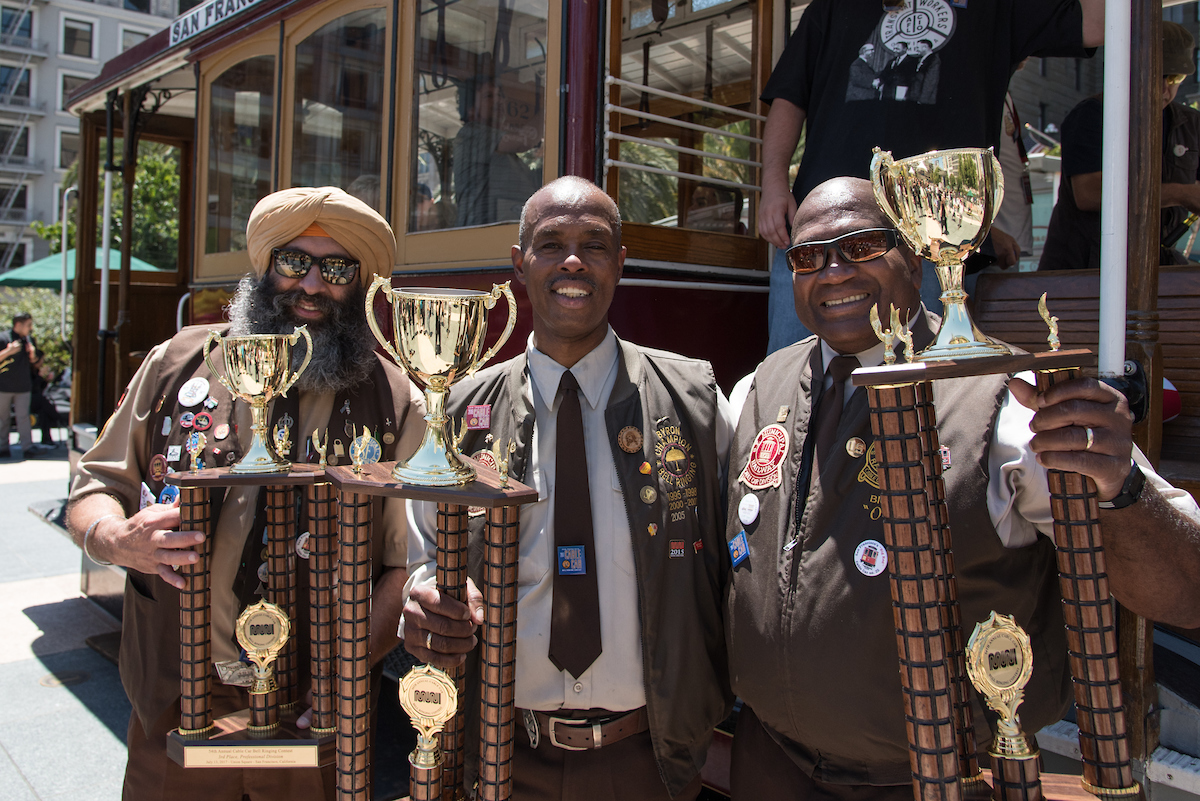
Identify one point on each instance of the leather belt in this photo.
(583, 734)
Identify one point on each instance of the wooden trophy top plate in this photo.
(917, 372)
(301, 474)
(485, 490)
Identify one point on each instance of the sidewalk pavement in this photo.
(62, 723)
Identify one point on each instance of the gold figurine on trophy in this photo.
(1000, 664)
(262, 630)
(429, 697)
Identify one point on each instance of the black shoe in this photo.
(5, 454)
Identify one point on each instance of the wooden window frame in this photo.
(475, 246)
(225, 268)
(644, 241)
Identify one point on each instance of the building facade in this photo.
(47, 49)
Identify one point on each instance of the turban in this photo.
(285, 215)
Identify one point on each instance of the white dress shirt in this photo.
(615, 680)
(1018, 497)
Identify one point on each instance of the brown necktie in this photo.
(829, 409)
(575, 622)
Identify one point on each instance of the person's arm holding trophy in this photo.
(856, 527)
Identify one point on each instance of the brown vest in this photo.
(662, 395)
(811, 638)
(150, 641)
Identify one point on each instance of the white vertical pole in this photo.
(62, 218)
(106, 249)
(1114, 210)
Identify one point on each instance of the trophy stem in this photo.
(436, 462)
(261, 457)
(958, 338)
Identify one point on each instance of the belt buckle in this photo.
(554, 737)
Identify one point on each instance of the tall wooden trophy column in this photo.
(924, 601)
(441, 777)
(265, 735)
(943, 203)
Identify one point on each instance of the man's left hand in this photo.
(1008, 252)
(1064, 415)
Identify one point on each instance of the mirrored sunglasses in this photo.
(337, 270)
(856, 246)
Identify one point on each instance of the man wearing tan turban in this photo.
(312, 251)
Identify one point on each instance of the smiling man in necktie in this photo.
(621, 667)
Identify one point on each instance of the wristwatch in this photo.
(1130, 490)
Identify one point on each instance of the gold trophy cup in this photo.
(438, 336)
(943, 203)
(258, 368)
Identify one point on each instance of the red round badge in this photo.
(767, 454)
(202, 421)
(158, 467)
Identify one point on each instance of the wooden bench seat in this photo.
(1005, 307)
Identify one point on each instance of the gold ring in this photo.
(429, 641)
(1091, 439)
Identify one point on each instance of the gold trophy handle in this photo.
(213, 336)
(294, 337)
(881, 168)
(497, 291)
(385, 283)
(997, 175)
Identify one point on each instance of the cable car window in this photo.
(686, 135)
(479, 108)
(337, 134)
(241, 109)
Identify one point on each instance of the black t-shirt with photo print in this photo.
(940, 72)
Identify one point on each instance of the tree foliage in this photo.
(156, 189)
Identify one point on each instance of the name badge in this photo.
(571, 561)
(739, 549)
(479, 418)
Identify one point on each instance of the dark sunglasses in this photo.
(336, 270)
(856, 246)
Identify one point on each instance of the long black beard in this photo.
(343, 346)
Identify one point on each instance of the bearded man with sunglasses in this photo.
(810, 625)
(312, 251)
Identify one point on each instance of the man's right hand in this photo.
(775, 214)
(148, 542)
(439, 630)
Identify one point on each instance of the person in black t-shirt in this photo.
(16, 381)
(1073, 236)
(953, 95)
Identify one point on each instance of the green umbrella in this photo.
(47, 272)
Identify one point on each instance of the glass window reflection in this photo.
(479, 111)
(338, 127)
(241, 109)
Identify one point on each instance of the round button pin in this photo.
(855, 447)
(193, 392)
(649, 494)
(748, 509)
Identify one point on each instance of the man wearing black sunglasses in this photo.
(811, 632)
(311, 252)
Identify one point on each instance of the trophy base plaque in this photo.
(231, 744)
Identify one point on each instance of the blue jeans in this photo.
(785, 328)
